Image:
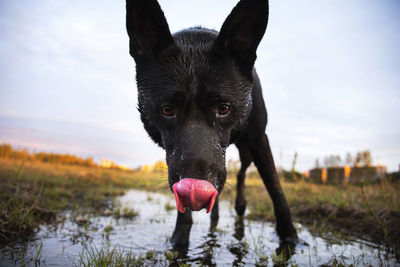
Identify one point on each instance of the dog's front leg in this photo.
(245, 159)
(262, 156)
(180, 237)
(214, 214)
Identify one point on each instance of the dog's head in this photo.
(195, 86)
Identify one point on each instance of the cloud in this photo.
(329, 73)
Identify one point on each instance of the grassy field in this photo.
(33, 193)
(370, 211)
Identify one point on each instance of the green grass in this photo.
(127, 213)
(91, 256)
(168, 207)
(33, 193)
(108, 257)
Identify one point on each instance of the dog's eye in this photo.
(223, 109)
(167, 110)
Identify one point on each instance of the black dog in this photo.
(199, 93)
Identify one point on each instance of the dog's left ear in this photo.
(242, 31)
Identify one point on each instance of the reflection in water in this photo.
(234, 241)
(207, 250)
(239, 228)
(239, 249)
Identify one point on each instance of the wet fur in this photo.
(196, 70)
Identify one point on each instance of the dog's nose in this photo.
(194, 194)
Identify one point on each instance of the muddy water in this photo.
(238, 242)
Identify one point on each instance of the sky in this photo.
(330, 72)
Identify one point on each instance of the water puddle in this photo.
(237, 242)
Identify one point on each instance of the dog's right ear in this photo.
(147, 29)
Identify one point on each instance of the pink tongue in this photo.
(194, 194)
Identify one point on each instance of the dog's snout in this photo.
(190, 167)
(187, 163)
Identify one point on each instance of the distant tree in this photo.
(89, 162)
(332, 161)
(363, 158)
(316, 163)
(294, 165)
(366, 158)
(326, 161)
(160, 166)
(349, 159)
(338, 161)
(358, 159)
(6, 151)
